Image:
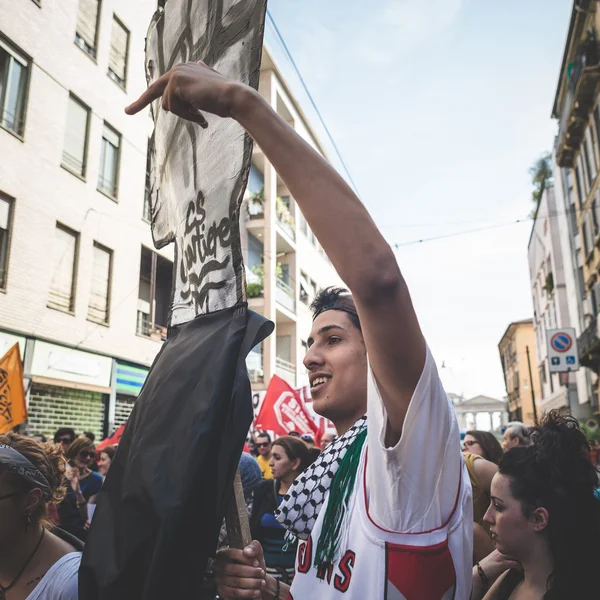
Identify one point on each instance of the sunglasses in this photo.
(263, 445)
(84, 454)
(470, 443)
(65, 440)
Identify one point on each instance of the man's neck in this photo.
(343, 424)
(15, 555)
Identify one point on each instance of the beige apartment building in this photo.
(577, 155)
(83, 291)
(518, 339)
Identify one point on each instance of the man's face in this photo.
(65, 441)
(509, 442)
(337, 366)
(263, 446)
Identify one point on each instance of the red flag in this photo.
(113, 440)
(283, 411)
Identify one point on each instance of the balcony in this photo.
(285, 220)
(284, 295)
(286, 370)
(144, 327)
(578, 101)
(589, 346)
(254, 364)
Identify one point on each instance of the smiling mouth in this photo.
(318, 383)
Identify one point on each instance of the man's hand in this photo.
(241, 573)
(190, 88)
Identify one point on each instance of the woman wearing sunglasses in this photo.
(82, 490)
(35, 562)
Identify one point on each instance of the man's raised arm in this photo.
(358, 251)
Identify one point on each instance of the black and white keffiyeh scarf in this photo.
(302, 504)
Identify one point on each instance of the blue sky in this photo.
(439, 107)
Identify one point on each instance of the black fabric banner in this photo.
(159, 513)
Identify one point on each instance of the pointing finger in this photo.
(155, 91)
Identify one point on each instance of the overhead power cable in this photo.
(311, 99)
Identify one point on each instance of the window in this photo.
(62, 286)
(302, 224)
(588, 157)
(147, 212)
(255, 252)
(154, 297)
(99, 305)
(588, 239)
(256, 180)
(14, 79)
(76, 135)
(6, 205)
(584, 177)
(578, 183)
(86, 32)
(119, 48)
(109, 161)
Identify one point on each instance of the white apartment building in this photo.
(550, 304)
(285, 263)
(83, 291)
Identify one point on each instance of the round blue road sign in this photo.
(561, 342)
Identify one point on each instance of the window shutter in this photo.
(61, 288)
(4, 214)
(117, 60)
(87, 19)
(98, 309)
(75, 136)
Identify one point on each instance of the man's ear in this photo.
(541, 518)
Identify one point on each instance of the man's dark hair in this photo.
(263, 434)
(335, 298)
(62, 431)
(89, 435)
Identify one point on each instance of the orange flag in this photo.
(13, 409)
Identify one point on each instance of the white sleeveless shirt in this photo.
(411, 517)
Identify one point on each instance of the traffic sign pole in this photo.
(535, 416)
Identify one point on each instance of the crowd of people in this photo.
(392, 506)
(48, 491)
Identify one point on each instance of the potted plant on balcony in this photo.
(549, 283)
(283, 212)
(256, 204)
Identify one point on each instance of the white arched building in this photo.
(480, 412)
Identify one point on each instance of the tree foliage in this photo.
(541, 177)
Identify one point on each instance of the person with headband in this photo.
(376, 490)
(37, 561)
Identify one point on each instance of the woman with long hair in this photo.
(544, 518)
(82, 488)
(484, 444)
(289, 457)
(37, 561)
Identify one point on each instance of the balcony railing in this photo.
(289, 229)
(284, 294)
(144, 327)
(579, 101)
(589, 346)
(286, 370)
(254, 364)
